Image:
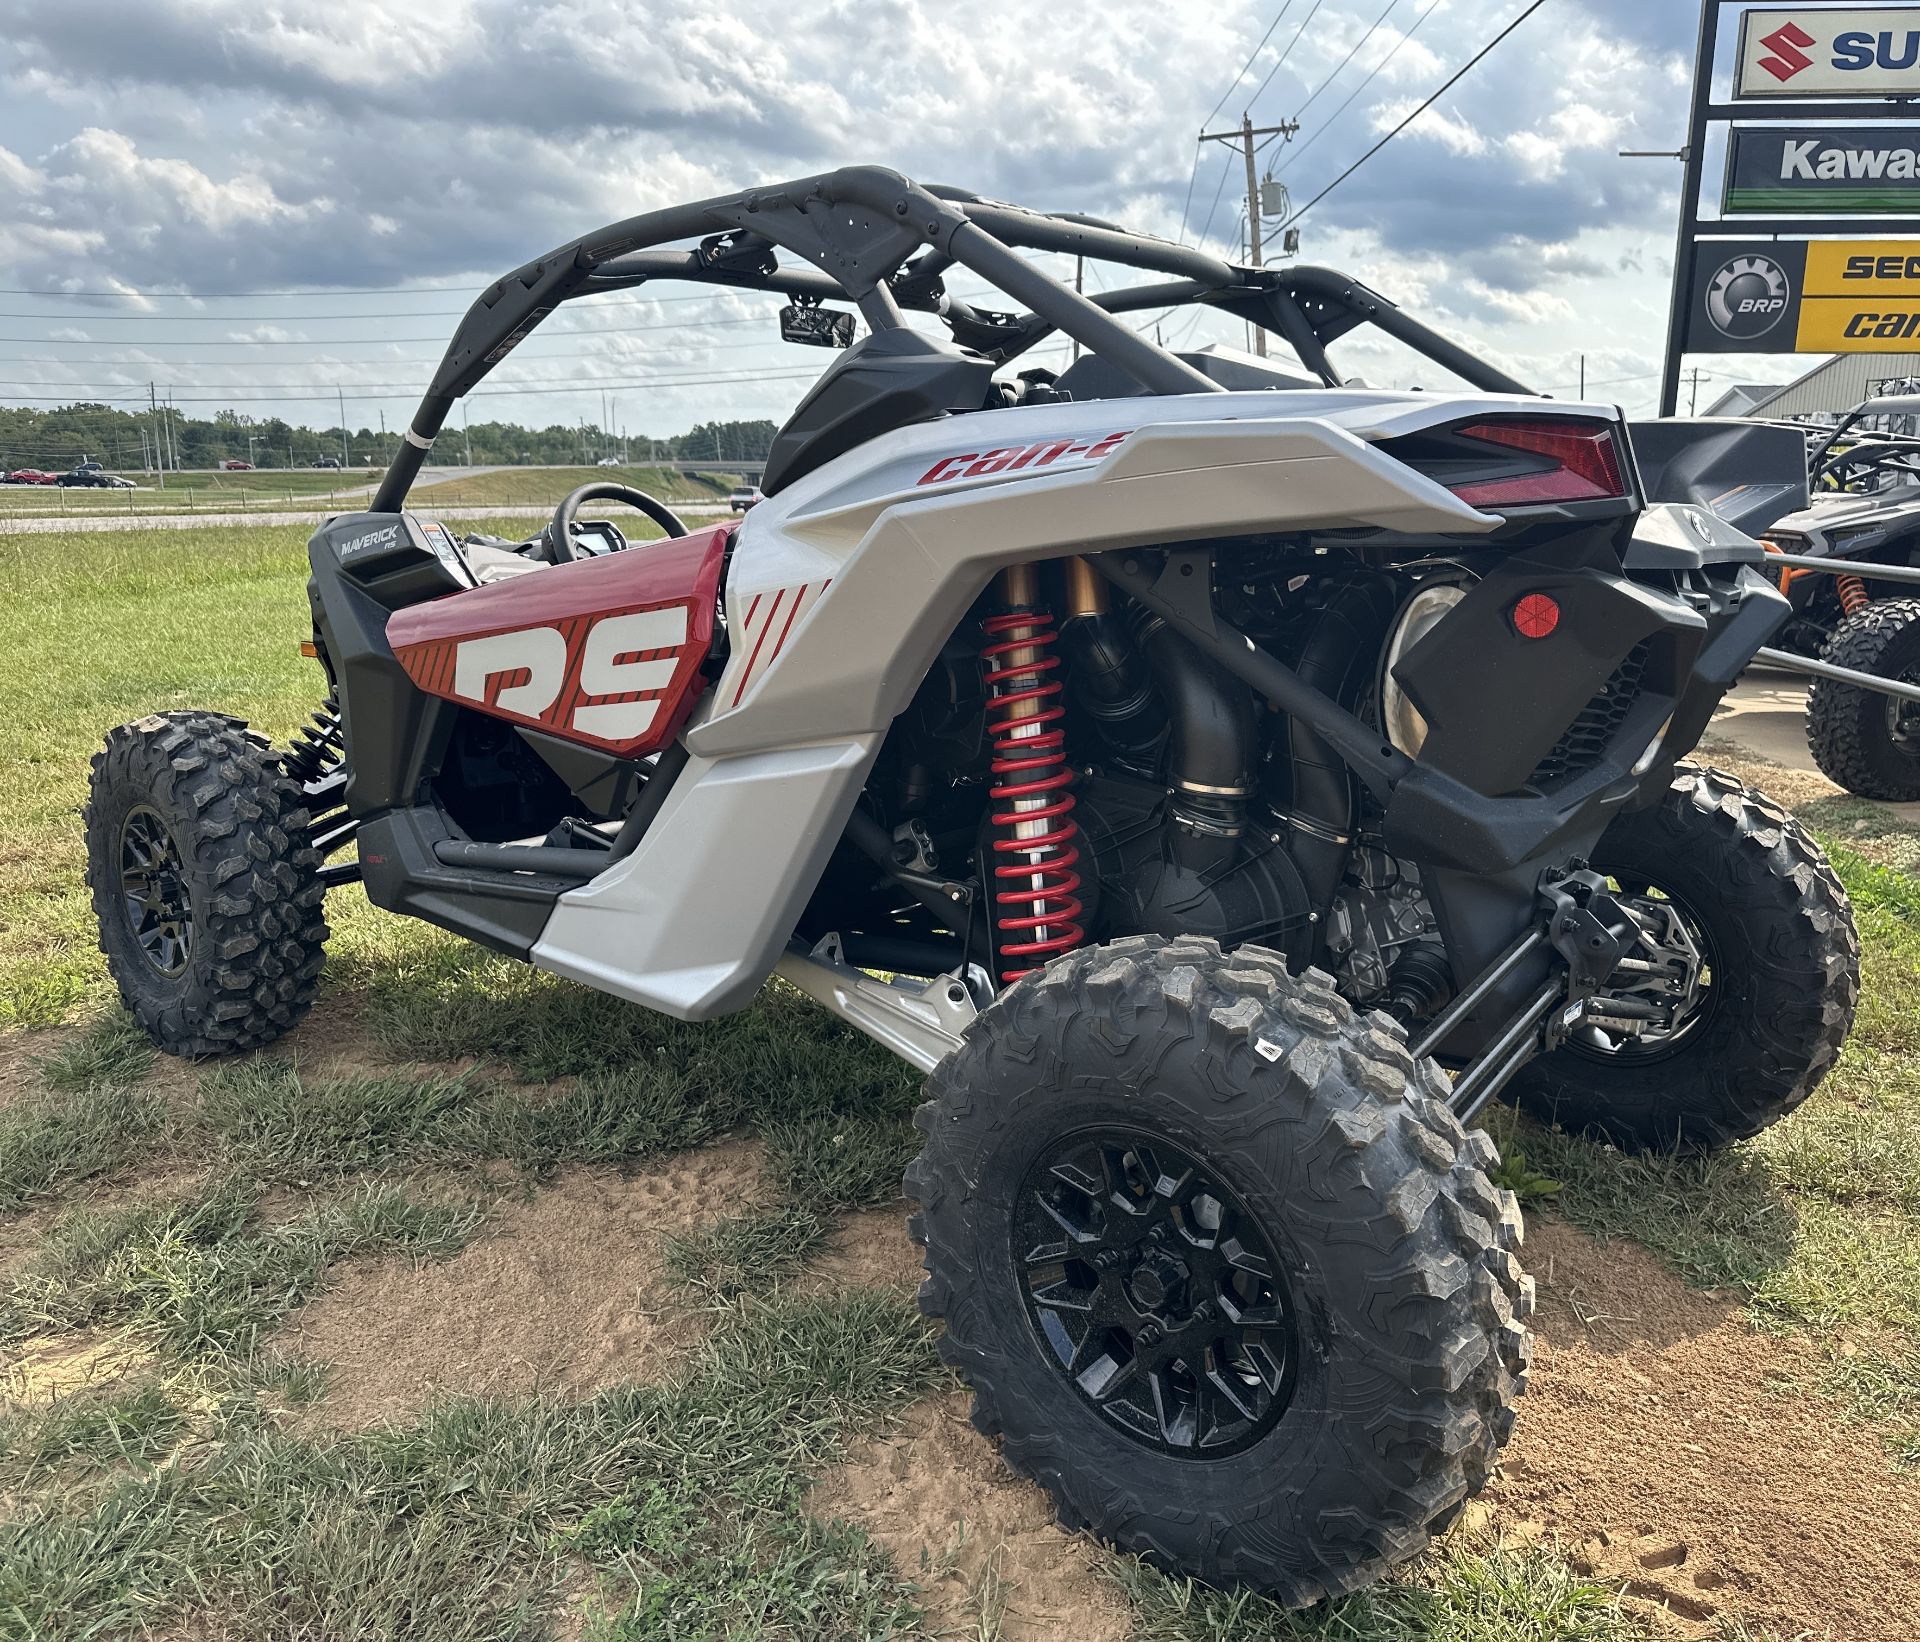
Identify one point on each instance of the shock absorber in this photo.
(1036, 839)
(1853, 593)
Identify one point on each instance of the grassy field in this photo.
(168, 1460)
(271, 490)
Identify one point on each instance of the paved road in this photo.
(284, 516)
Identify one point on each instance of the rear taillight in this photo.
(1585, 462)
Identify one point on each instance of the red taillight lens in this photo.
(1587, 464)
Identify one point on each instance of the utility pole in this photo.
(467, 429)
(1583, 376)
(345, 455)
(1693, 398)
(1079, 284)
(1244, 137)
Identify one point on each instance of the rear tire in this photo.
(1375, 1373)
(204, 883)
(1862, 741)
(1777, 930)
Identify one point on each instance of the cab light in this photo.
(1586, 463)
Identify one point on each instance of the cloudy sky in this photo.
(265, 203)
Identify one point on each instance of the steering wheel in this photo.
(559, 531)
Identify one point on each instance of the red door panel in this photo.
(605, 651)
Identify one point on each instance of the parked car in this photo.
(327, 462)
(87, 466)
(233, 464)
(743, 497)
(32, 476)
(83, 478)
(609, 462)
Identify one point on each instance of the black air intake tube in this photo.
(1209, 746)
(1338, 659)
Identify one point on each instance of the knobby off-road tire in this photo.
(1776, 929)
(1850, 731)
(203, 795)
(1397, 1253)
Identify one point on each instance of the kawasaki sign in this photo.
(1863, 170)
(1858, 51)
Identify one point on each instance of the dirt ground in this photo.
(1654, 1448)
(564, 1294)
(1656, 1444)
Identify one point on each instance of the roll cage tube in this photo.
(870, 236)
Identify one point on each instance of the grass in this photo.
(272, 489)
(1463, 1592)
(208, 1275)
(469, 1523)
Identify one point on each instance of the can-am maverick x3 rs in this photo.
(1181, 759)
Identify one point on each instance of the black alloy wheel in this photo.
(1155, 1293)
(203, 874)
(153, 888)
(1774, 931)
(1679, 954)
(1225, 1274)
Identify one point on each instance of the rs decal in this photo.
(611, 651)
(982, 464)
(624, 665)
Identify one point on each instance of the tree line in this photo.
(133, 441)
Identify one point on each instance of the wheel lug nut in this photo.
(1149, 1334)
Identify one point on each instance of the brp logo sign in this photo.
(1788, 44)
(1747, 296)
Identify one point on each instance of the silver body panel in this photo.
(848, 582)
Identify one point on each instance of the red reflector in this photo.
(1587, 470)
(1535, 616)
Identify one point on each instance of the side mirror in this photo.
(816, 327)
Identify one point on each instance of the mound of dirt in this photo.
(982, 1542)
(1659, 1442)
(564, 1293)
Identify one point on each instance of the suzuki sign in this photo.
(1860, 51)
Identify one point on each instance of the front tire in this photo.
(204, 883)
(1863, 741)
(1283, 1332)
(1775, 927)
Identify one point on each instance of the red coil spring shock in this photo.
(1853, 593)
(1032, 801)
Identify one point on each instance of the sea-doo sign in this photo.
(1836, 171)
(1859, 51)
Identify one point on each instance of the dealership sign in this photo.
(1805, 296)
(1859, 51)
(1870, 170)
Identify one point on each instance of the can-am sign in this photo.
(1857, 169)
(1861, 51)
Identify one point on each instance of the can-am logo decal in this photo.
(981, 464)
(1748, 296)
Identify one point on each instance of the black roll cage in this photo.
(870, 236)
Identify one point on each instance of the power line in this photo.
(332, 391)
(1347, 101)
(92, 315)
(1458, 75)
(216, 296)
(355, 341)
(1284, 9)
(1340, 67)
(1284, 55)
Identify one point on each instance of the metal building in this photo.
(1838, 384)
